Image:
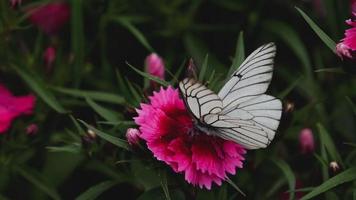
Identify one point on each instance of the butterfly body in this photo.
(240, 112)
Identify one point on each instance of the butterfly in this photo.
(241, 112)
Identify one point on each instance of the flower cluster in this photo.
(168, 130)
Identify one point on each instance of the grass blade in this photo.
(352, 105)
(346, 176)
(239, 54)
(30, 176)
(322, 35)
(149, 76)
(235, 186)
(137, 33)
(40, 90)
(103, 112)
(288, 174)
(204, 68)
(95, 95)
(327, 142)
(114, 140)
(96, 190)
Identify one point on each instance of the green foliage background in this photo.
(98, 77)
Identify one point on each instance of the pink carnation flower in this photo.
(347, 46)
(50, 17)
(167, 128)
(12, 107)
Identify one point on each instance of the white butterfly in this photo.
(240, 112)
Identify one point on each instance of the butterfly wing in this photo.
(252, 124)
(244, 101)
(251, 79)
(199, 100)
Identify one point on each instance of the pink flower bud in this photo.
(306, 140)
(133, 136)
(154, 65)
(32, 129)
(49, 56)
(50, 17)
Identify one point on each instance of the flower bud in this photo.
(289, 107)
(155, 66)
(49, 56)
(15, 3)
(306, 141)
(133, 136)
(334, 166)
(32, 129)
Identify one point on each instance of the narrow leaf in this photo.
(352, 105)
(137, 33)
(40, 90)
(114, 140)
(149, 76)
(327, 141)
(96, 190)
(203, 68)
(235, 186)
(103, 112)
(95, 95)
(239, 54)
(30, 176)
(322, 35)
(288, 173)
(346, 176)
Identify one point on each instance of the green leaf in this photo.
(95, 95)
(346, 176)
(76, 124)
(352, 105)
(30, 175)
(149, 76)
(204, 68)
(239, 54)
(331, 70)
(235, 187)
(77, 39)
(327, 142)
(96, 190)
(137, 33)
(288, 173)
(322, 35)
(114, 140)
(40, 90)
(73, 148)
(164, 185)
(286, 91)
(103, 112)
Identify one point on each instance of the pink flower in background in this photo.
(133, 136)
(347, 46)
(12, 107)
(353, 6)
(14, 3)
(32, 129)
(306, 140)
(50, 17)
(155, 66)
(49, 56)
(167, 128)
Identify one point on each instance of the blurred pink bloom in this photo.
(32, 129)
(14, 3)
(347, 46)
(49, 56)
(168, 130)
(306, 140)
(155, 66)
(50, 17)
(12, 107)
(353, 6)
(133, 136)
